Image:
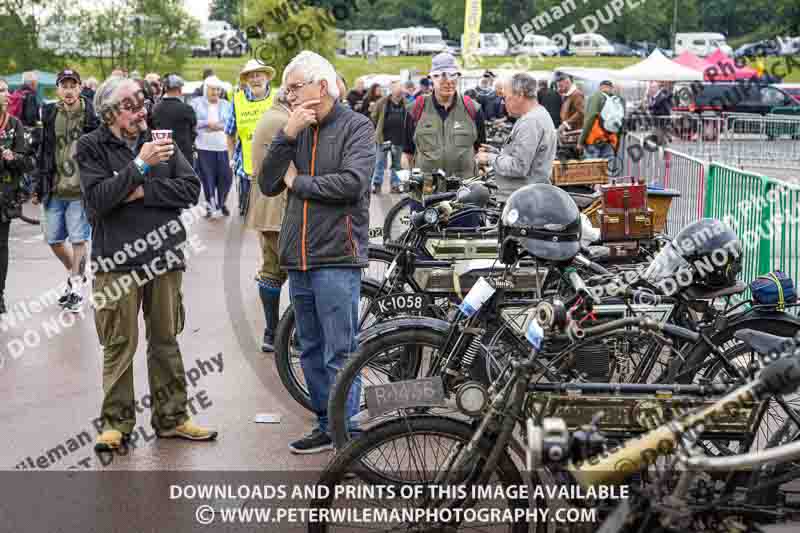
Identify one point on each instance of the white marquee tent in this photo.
(657, 67)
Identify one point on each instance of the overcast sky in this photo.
(197, 8)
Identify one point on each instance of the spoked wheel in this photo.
(410, 453)
(287, 350)
(398, 220)
(397, 356)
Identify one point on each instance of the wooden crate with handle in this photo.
(575, 172)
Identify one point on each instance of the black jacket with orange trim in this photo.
(326, 223)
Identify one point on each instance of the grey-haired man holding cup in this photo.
(135, 185)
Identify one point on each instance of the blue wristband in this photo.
(143, 167)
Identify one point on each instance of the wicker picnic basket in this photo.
(580, 172)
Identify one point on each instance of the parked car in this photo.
(732, 97)
(536, 45)
(701, 44)
(768, 47)
(792, 89)
(623, 50)
(590, 44)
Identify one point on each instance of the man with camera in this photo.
(57, 182)
(136, 187)
(389, 116)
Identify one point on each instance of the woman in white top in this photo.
(212, 151)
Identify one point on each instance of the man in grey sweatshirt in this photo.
(528, 154)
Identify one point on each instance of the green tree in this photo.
(21, 24)
(227, 10)
(146, 35)
(280, 31)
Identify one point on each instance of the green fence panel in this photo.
(739, 198)
(783, 227)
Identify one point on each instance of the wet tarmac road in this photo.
(50, 383)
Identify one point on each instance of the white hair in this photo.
(107, 95)
(211, 82)
(315, 68)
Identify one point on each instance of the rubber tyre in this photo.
(338, 395)
(349, 458)
(283, 359)
(393, 215)
(703, 353)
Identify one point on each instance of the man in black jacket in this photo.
(57, 183)
(551, 101)
(172, 113)
(324, 236)
(139, 246)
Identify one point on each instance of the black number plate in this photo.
(375, 233)
(404, 395)
(402, 302)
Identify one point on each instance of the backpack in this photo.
(612, 114)
(419, 105)
(16, 101)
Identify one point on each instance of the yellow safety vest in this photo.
(248, 114)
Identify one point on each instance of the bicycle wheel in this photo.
(400, 355)
(739, 356)
(397, 220)
(287, 352)
(413, 451)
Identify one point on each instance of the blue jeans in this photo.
(326, 317)
(65, 218)
(599, 151)
(380, 165)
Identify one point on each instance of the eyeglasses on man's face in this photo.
(133, 104)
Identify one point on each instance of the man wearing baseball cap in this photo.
(172, 113)
(57, 182)
(249, 105)
(444, 129)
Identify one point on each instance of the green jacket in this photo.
(378, 116)
(593, 108)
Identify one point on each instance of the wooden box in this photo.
(628, 226)
(575, 172)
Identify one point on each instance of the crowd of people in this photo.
(307, 156)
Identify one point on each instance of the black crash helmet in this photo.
(544, 220)
(707, 249)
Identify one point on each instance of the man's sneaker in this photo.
(108, 440)
(3, 309)
(225, 211)
(62, 300)
(189, 431)
(74, 303)
(376, 189)
(316, 442)
(268, 342)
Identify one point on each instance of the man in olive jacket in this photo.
(324, 237)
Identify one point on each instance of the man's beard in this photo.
(133, 131)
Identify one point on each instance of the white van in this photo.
(590, 44)
(701, 44)
(537, 45)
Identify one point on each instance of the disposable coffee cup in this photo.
(161, 135)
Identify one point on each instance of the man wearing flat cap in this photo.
(444, 130)
(249, 104)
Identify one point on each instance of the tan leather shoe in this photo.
(190, 431)
(108, 440)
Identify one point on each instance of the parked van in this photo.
(536, 45)
(421, 41)
(490, 44)
(590, 44)
(701, 44)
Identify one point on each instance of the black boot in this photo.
(270, 300)
(3, 309)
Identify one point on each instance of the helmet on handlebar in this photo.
(544, 220)
(706, 253)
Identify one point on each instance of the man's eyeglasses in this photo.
(133, 105)
(446, 76)
(294, 87)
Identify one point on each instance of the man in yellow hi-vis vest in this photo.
(248, 106)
